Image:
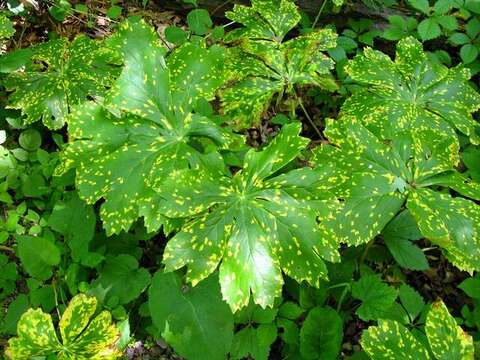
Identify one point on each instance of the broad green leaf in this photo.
(196, 322)
(253, 342)
(252, 225)
(38, 255)
(411, 93)
(6, 27)
(82, 337)
(321, 334)
(468, 53)
(471, 286)
(122, 278)
(421, 5)
(59, 75)
(154, 132)
(376, 296)
(398, 236)
(447, 340)
(199, 21)
(391, 340)
(429, 29)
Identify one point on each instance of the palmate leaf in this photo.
(379, 178)
(411, 93)
(150, 139)
(263, 66)
(446, 340)
(82, 337)
(253, 225)
(265, 19)
(59, 75)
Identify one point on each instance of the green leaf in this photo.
(253, 342)
(398, 236)
(471, 286)
(429, 29)
(447, 340)
(59, 75)
(251, 224)
(421, 5)
(195, 321)
(468, 53)
(76, 221)
(176, 35)
(391, 340)
(199, 21)
(290, 310)
(123, 280)
(152, 128)
(411, 93)
(376, 296)
(82, 337)
(30, 139)
(321, 334)
(411, 300)
(38, 255)
(459, 38)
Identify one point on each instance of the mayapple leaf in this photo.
(411, 93)
(379, 177)
(82, 337)
(264, 69)
(251, 224)
(147, 122)
(59, 75)
(446, 340)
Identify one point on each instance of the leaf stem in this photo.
(317, 130)
(318, 14)
(6, 248)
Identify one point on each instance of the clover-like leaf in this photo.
(144, 134)
(254, 224)
(82, 337)
(411, 93)
(59, 75)
(379, 177)
(263, 66)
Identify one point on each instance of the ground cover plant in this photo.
(240, 180)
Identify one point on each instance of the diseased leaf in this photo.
(447, 340)
(251, 224)
(411, 93)
(59, 75)
(263, 66)
(391, 340)
(82, 337)
(153, 132)
(378, 177)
